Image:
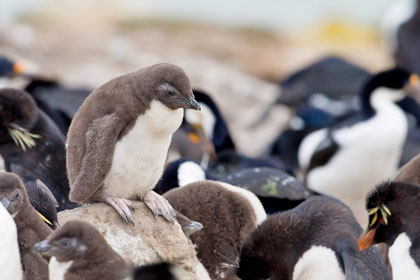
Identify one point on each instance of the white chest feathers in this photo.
(57, 270)
(403, 265)
(10, 266)
(140, 155)
(318, 263)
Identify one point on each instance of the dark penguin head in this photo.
(209, 123)
(74, 240)
(9, 68)
(83, 245)
(18, 114)
(392, 85)
(12, 193)
(171, 86)
(392, 209)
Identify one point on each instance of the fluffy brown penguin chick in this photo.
(79, 251)
(30, 227)
(228, 214)
(119, 138)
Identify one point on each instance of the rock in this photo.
(149, 241)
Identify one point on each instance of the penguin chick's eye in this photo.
(171, 92)
(169, 89)
(66, 243)
(16, 195)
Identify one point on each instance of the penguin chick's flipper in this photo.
(123, 206)
(159, 205)
(93, 169)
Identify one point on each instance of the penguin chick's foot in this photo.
(123, 206)
(159, 205)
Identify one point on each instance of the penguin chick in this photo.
(79, 251)
(33, 147)
(228, 214)
(30, 227)
(119, 138)
(315, 240)
(394, 220)
(10, 265)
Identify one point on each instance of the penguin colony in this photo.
(340, 180)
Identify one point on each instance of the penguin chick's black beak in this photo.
(192, 104)
(42, 246)
(6, 203)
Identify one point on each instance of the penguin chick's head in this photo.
(171, 85)
(10, 68)
(392, 210)
(12, 193)
(74, 240)
(18, 114)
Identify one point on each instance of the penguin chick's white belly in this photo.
(140, 155)
(403, 265)
(318, 263)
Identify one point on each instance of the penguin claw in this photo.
(159, 206)
(124, 208)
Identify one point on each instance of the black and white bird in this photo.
(316, 240)
(346, 162)
(10, 265)
(394, 220)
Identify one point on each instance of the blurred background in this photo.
(238, 51)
